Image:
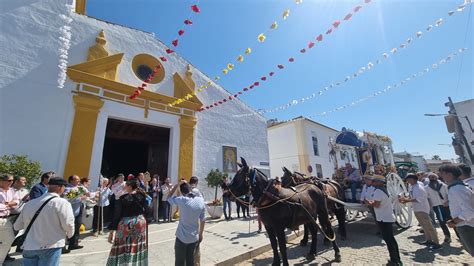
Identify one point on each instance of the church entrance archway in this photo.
(130, 148)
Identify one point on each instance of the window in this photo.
(143, 72)
(319, 171)
(315, 146)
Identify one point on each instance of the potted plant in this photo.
(214, 179)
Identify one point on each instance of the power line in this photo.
(464, 45)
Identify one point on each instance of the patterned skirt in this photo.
(129, 247)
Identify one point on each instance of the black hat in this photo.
(57, 181)
(413, 176)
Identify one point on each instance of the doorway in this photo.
(131, 148)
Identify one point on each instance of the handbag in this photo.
(19, 240)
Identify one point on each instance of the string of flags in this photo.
(280, 67)
(186, 23)
(399, 84)
(261, 38)
(367, 67)
(64, 45)
(403, 82)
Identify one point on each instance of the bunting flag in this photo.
(241, 57)
(280, 67)
(187, 22)
(64, 44)
(403, 82)
(412, 77)
(369, 66)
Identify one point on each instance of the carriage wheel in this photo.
(403, 212)
(351, 214)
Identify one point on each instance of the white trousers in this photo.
(6, 238)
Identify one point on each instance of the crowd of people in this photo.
(43, 221)
(447, 195)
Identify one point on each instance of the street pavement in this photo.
(222, 241)
(364, 247)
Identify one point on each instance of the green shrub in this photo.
(20, 165)
(215, 179)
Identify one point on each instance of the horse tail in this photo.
(326, 227)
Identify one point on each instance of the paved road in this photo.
(363, 247)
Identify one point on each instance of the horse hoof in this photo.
(338, 258)
(303, 243)
(310, 257)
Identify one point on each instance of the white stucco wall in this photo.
(283, 148)
(40, 115)
(323, 134)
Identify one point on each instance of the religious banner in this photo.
(229, 161)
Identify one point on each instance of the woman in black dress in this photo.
(128, 228)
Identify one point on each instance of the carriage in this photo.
(363, 152)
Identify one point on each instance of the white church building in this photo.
(91, 126)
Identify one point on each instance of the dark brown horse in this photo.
(330, 188)
(280, 208)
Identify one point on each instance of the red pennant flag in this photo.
(310, 45)
(357, 8)
(180, 32)
(230, 97)
(220, 102)
(162, 58)
(236, 95)
(188, 22)
(207, 107)
(281, 66)
(195, 8)
(239, 92)
(329, 31)
(175, 42)
(271, 73)
(245, 89)
(303, 51)
(348, 16)
(263, 78)
(224, 100)
(291, 59)
(319, 38)
(251, 86)
(169, 51)
(336, 24)
(256, 83)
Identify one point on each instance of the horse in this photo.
(330, 187)
(280, 208)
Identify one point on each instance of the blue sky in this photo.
(225, 28)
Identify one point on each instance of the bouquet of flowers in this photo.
(75, 193)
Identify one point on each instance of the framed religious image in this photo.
(229, 159)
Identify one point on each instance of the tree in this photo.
(215, 179)
(436, 157)
(20, 165)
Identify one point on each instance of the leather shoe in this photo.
(65, 251)
(75, 247)
(9, 259)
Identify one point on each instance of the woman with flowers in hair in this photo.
(128, 228)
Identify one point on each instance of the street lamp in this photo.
(465, 117)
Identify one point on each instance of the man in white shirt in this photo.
(421, 208)
(383, 208)
(366, 195)
(55, 222)
(438, 199)
(8, 202)
(466, 175)
(461, 205)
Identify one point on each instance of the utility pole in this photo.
(460, 131)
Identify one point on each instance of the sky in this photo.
(225, 28)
